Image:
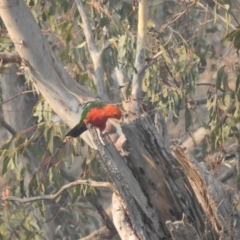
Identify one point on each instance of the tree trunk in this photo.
(50, 78)
(165, 196)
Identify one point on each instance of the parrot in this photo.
(96, 113)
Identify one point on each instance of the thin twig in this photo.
(17, 95)
(220, 17)
(152, 61)
(206, 84)
(7, 126)
(62, 189)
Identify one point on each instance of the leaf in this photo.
(68, 32)
(103, 22)
(47, 111)
(65, 6)
(220, 76)
(50, 175)
(236, 41)
(227, 99)
(38, 111)
(188, 119)
(215, 13)
(5, 164)
(146, 82)
(41, 207)
(35, 15)
(50, 139)
(44, 17)
(230, 36)
(237, 83)
(81, 45)
(11, 164)
(57, 177)
(122, 46)
(116, 21)
(34, 225)
(165, 56)
(22, 188)
(58, 198)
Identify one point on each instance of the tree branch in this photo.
(96, 55)
(17, 95)
(86, 28)
(63, 188)
(129, 189)
(140, 56)
(152, 61)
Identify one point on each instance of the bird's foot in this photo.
(103, 134)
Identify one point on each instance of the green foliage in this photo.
(19, 223)
(46, 178)
(233, 36)
(169, 86)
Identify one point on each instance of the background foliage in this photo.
(195, 82)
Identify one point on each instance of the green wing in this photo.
(81, 126)
(88, 106)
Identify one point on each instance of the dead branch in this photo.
(154, 187)
(128, 188)
(218, 201)
(63, 188)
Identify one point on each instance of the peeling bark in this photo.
(182, 230)
(121, 221)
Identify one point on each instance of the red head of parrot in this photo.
(95, 113)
